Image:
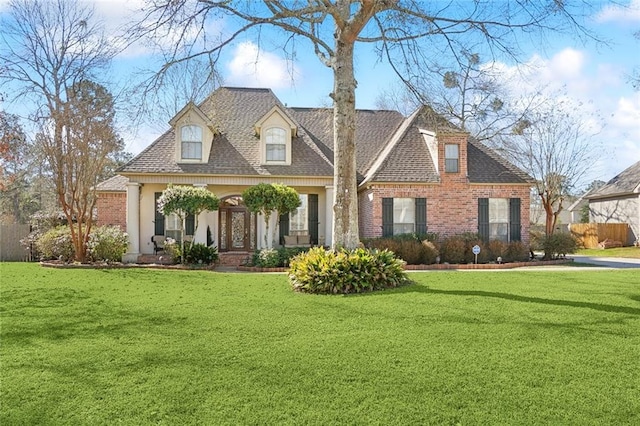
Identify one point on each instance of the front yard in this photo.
(196, 347)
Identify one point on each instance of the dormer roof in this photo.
(191, 107)
(277, 110)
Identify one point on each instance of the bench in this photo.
(297, 240)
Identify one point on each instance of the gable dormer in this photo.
(275, 131)
(193, 135)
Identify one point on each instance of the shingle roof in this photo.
(484, 165)
(627, 182)
(115, 183)
(235, 147)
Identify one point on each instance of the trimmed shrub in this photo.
(107, 243)
(452, 250)
(56, 244)
(359, 270)
(495, 249)
(200, 254)
(287, 253)
(558, 245)
(266, 258)
(516, 252)
(407, 247)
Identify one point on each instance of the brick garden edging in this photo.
(435, 267)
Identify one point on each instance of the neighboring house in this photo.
(415, 174)
(618, 201)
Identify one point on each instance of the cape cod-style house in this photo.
(415, 174)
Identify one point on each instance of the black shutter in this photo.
(284, 226)
(159, 217)
(312, 217)
(483, 218)
(190, 224)
(387, 217)
(514, 220)
(421, 216)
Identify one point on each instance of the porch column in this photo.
(133, 222)
(328, 223)
(201, 232)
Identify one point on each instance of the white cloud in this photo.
(618, 13)
(253, 67)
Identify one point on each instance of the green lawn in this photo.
(631, 252)
(139, 347)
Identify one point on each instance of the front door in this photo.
(235, 229)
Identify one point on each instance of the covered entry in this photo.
(237, 226)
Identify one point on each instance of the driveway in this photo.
(607, 262)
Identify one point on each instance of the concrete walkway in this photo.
(607, 262)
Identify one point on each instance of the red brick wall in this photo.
(111, 208)
(452, 204)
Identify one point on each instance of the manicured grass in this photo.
(140, 347)
(630, 252)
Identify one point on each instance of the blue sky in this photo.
(593, 75)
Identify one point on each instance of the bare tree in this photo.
(50, 50)
(402, 31)
(557, 148)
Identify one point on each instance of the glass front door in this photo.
(237, 229)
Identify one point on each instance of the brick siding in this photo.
(111, 209)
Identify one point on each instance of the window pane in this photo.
(451, 151)
(404, 215)
(276, 152)
(499, 231)
(275, 135)
(192, 150)
(499, 219)
(191, 134)
(451, 166)
(451, 157)
(298, 218)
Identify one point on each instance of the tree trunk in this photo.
(345, 207)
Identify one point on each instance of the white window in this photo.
(298, 219)
(499, 219)
(451, 158)
(191, 139)
(172, 226)
(276, 144)
(404, 215)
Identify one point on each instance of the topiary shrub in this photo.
(355, 271)
(558, 245)
(516, 251)
(107, 244)
(56, 244)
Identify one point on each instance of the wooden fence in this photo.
(590, 234)
(10, 247)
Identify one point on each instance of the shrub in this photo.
(285, 254)
(452, 250)
(107, 243)
(516, 252)
(407, 247)
(172, 249)
(200, 254)
(495, 249)
(56, 244)
(266, 258)
(558, 245)
(359, 270)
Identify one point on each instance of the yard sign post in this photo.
(476, 252)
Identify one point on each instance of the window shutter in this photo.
(514, 220)
(387, 217)
(421, 216)
(284, 226)
(312, 217)
(159, 217)
(190, 224)
(483, 218)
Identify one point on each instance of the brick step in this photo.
(235, 258)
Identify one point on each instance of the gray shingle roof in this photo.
(115, 183)
(235, 147)
(625, 183)
(484, 165)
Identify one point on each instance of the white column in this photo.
(201, 232)
(328, 223)
(133, 222)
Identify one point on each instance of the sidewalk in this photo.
(608, 262)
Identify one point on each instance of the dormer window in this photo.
(276, 144)
(451, 158)
(191, 142)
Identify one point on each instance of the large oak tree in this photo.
(404, 32)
